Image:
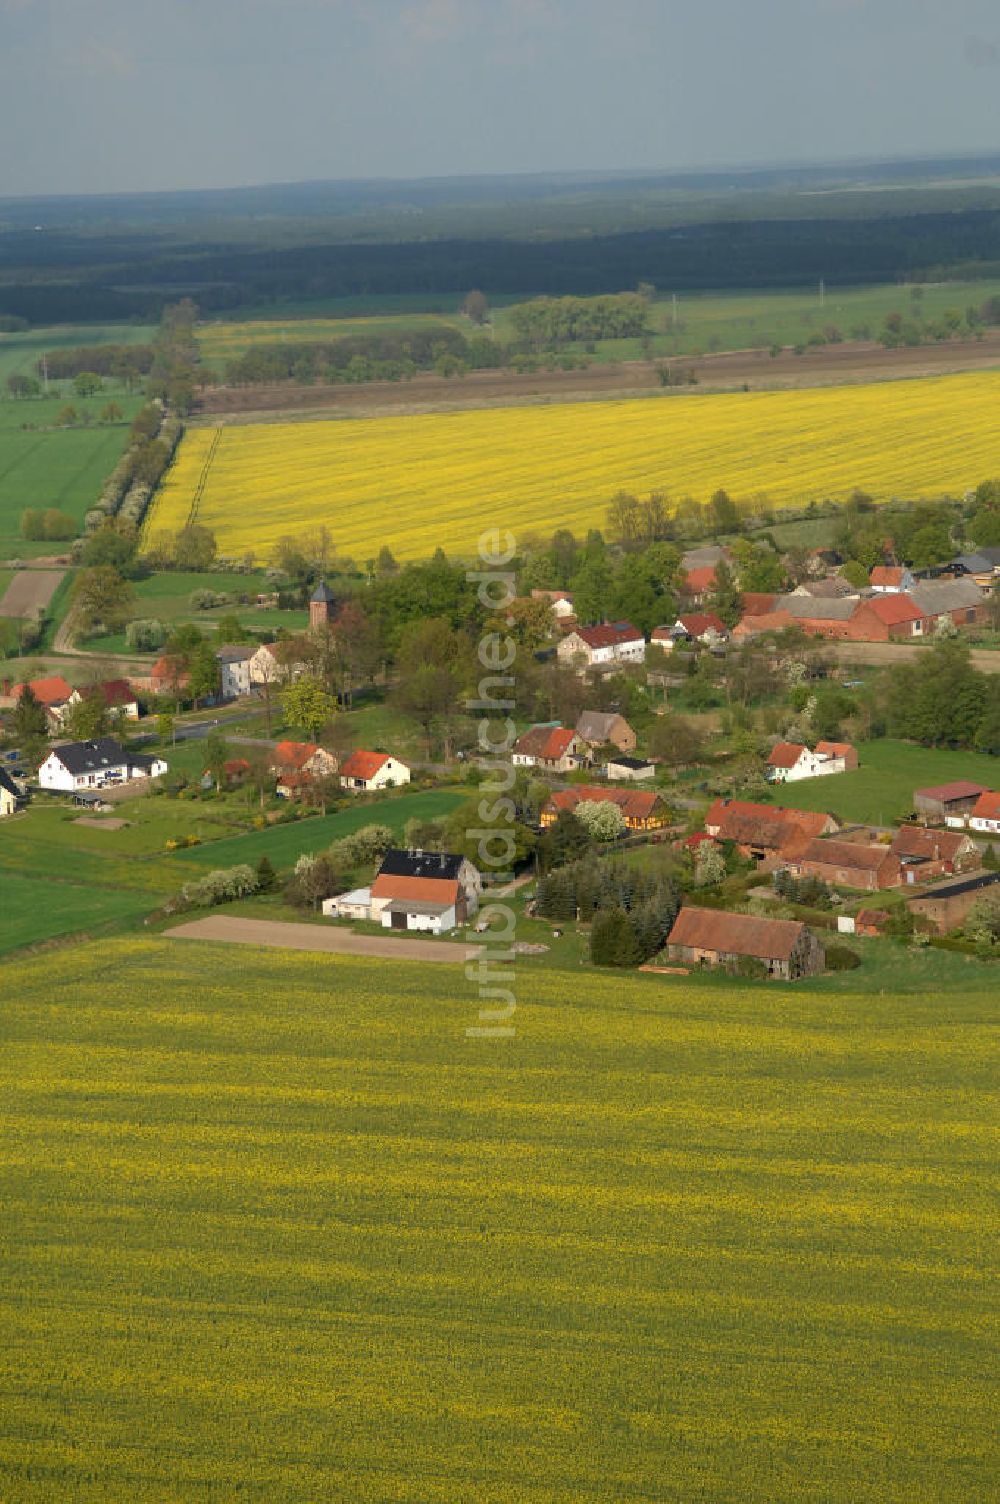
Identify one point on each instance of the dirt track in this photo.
(831, 365)
(310, 937)
(885, 654)
(30, 590)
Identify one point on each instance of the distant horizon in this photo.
(114, 96)
(747, 167)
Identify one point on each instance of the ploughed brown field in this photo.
(852, 361)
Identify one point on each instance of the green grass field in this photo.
(880, 792)
(20, 353)
(38, 908)
(702, 323)
(167, 597)
(276, 1229)
(283, 843)
(712, 322)
(59, 877)
(44, 466)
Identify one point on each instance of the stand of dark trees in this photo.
(360, 357)
(138, 275)
(119, 362)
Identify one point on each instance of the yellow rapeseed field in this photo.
(275, 1229)
(440, 479)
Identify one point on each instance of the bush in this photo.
(145, 634)
(363, 848)
(842, 958)
(220, 887)
(314, 879)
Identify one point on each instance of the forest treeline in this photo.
(772, 253)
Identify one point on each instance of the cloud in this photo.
(105, 59)
(979, 52)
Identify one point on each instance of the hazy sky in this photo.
(104, 95)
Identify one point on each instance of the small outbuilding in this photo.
(947, 803)
(629, 769)
(946, 905)
(712, 937)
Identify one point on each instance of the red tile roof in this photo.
(635, 804)
(115, 692)
(893, 610)
(961, 788)
(847, 854)
(293, 756)
(698, 622)
(48, 692)
(736, 934)
(363, 765)
(770, 621)
(786, 754)
(886, 574)
(547, 742)
(928, 845)
(417, 889)
(170, 670)
(609, 634)
(757, 602)
(697, 581)
(987, 806)
(834, 749)
(724, 811)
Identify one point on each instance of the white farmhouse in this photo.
(365, 772)
(791, 761)
(94, 765)
(985, 816)
(234, 667)
(603, 646)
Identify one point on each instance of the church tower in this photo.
(320, 606)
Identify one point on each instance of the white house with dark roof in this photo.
(94, 765)
(234, 668)
(10, 795)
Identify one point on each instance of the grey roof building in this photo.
(940, 597)
(805, 606)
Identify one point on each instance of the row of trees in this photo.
(553, 322)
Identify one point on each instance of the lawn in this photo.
(284, 843)
(167, 598)
(277, 1229)
(433, 480)
(880, 792)
(40, 908)
(45, 466)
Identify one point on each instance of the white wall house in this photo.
(985, 816)
(598, 647)
(234, 667)
(366, 772)
(117, 694)
(432, 891)
(791, 761)
(94, 765)
(9, 795)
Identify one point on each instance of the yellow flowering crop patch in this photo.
(443, 478)
(275, 1229)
